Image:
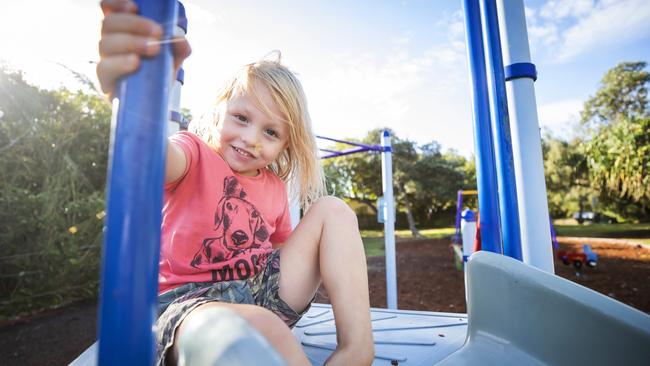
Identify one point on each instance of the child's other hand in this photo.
(125, 38)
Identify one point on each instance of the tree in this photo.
(567, 176)
(623, 93)
(431, 182)
(356, 177)
(53, 154)
(618, 140)
(425, 181)
(619, 166)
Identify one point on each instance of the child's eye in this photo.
(271, 133)
(240, 118)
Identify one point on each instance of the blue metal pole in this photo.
(485, 169)
(131, 249)
(336, 154)
(368, 147)
(501, 129)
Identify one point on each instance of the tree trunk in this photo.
(409, 211)
(409, 216)
(581, 204)
(370, 203)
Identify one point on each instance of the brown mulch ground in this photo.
(427, 280)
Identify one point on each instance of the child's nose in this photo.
(250, 137)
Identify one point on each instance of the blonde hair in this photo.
(298, 164)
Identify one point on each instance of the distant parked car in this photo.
(594, 217)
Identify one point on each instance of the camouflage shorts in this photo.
(261, 290)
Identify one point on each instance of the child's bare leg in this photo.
(268, 324)
(327, 246)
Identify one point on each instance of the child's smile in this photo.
(244, 153)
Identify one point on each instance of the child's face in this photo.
(249, 138)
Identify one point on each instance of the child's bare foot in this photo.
(352, 356)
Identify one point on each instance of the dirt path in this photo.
(427, 280)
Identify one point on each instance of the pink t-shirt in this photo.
(218, 225)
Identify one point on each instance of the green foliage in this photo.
(617, 140)
(425, 180)
(567, 180)
(435, 178)
(53, 154)
(623, 93)
(606, 169)
(357, 176)
(619, 165)
(621, 231)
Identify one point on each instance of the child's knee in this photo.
(218, 335)
(335, 207)
(267, 323)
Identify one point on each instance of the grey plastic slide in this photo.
(519, 315)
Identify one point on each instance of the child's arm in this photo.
(176, 162)
(125, 39)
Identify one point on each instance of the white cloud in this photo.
(401, 40)
(420, 94)
(453, 25)
(562, 9)
(531, 14)
(611, 23)
(560, 117)
(198, 14)
(543, 35)
(566, 29)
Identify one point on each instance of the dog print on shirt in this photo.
(239, 227)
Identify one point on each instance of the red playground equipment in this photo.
(577, 259)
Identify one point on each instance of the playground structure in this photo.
(466, 240)
(465, 229)
(577, 259)
(386, 205)
(587, 257)
(518, 310)
(465, 235)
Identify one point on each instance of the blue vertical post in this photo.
(485, 169)
(129, 279)
(501, 129)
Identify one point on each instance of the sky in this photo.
(363, 64)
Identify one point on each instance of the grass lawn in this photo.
(633, 232)
(373, 240)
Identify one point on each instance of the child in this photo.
(226, 234)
